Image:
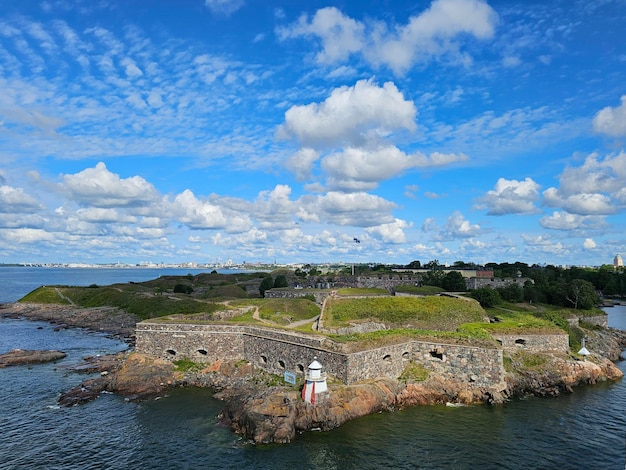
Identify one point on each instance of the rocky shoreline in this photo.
(112, 321)
(266, 413)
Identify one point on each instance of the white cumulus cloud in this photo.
(597, 187)
(15, 200)
(581, 203)
(339, 34)
(364, 167)
(350, 115)
(390, 233)
(589, 244)
(511, 197)
(100, 188)
(434, 33)
(560, 220)
(359, 209)
(611, 121)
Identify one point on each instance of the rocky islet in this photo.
(266, 413)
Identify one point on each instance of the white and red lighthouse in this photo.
(315, 382)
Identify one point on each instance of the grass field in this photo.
(429, 313)
(280, 311)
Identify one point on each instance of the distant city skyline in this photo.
(616, 262)
(277, 131)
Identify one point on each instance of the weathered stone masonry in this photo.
(534, 342)
(278, 351)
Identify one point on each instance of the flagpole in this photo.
(356, 240)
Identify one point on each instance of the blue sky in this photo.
(261, 131)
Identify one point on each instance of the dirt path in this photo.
(67, 299)
(298, 323)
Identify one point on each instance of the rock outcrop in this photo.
(559, 376)
(27, 356)
(133, 376)
(278, 415)
(113, 321)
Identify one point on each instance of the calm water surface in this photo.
(584, 430)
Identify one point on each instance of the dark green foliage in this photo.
(532, 293)
(266, 284)
(511, 293)
(280, 281)
(307, 270)
(582, 294)
(487, 296)
(183, 289)
(453, 281)
(414, 265)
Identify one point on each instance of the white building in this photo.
(618, 262)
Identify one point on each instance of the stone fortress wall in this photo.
(529, 342)
(277, 351)
(320, 286)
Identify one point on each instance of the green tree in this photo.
(435, 274)
(453, 281)
(266, 284)
(582, 294)
(511, 293)
(183, 289)
(532, 293)
(487, 296)
(280, 281)
(315, 272)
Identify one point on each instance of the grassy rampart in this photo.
(428, 313)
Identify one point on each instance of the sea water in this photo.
(583, 430)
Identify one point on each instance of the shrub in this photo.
(280, 281)
(266, 284)
(511, 293)
(183, 289)
(453, 281)
(486, 296)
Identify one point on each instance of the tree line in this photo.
(572, 287)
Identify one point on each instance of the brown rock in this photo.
(142, 376)
(83, 393)
(276, 416)
(27, 356)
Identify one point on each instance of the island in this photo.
(371, 343)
